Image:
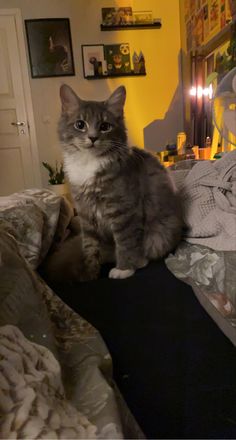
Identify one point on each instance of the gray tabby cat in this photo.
(125, 198)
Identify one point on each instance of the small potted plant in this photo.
(56, 178)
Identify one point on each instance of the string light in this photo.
(200, 91)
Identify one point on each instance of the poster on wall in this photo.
(50, 47)
(192, 7)
(228, 10)
(232, 8)
(214, 16)
(222, 13)
(93, 60)
(205, 18)
(118, 58)
(189, 35)
(186, 10)
(205, 22)
(198, 5)
(198, 28)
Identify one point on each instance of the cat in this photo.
(125, 198)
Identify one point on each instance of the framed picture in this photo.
(232, 8)
(198, 28)
(186, 10)
(118, 58)
(50, 48)
(214, 16)
(94, 63)
(189, 35)
(205, 22)
(117, 16)
(192, 7)
(142, 17)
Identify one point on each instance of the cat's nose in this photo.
(93, 139)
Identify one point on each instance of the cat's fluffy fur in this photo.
(124, 196)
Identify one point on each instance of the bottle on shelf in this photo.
(189, 153)
(208, 142)
(205, 152)
(181, 141)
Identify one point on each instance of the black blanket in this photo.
(174, 367)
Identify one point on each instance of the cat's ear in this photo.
(69, 99)
(116, 101)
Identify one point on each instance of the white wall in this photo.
(148, 98)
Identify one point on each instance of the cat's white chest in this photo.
(82, 169)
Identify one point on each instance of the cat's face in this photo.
(92, 126)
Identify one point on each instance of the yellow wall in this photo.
(148, 98)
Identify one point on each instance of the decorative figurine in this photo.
(135, 60)
(142, 68)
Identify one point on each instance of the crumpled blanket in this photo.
(32, 399)
(209, 203)
(205, 259)
(30, 223)
(36, 218)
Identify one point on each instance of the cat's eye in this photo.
(105, 126)
(80, 125)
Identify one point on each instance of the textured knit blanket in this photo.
(33, 403)
(209, 200)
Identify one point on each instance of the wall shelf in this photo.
(115, 75)
(155, 25)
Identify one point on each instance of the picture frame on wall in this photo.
(49, 47)
(117, 16)
(214, 16)
(118, 58)
(142, 17)
(94, 64)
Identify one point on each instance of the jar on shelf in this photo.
(181, 142)
(189, 153)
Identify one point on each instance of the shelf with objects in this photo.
(134, 26)
(111, 61)
(115, 75)
(124, 18)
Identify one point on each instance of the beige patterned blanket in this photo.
(55, 370)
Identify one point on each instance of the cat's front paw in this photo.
(120, 273)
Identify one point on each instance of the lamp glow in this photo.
(200, 91)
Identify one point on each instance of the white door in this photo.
(19, 165)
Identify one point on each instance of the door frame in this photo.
(16, 13)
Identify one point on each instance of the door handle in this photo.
(18, 124)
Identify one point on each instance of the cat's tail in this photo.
(161, 239)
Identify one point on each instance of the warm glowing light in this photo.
(200, 91)
(210, 88)
(193, 91)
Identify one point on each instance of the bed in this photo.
(151, 356)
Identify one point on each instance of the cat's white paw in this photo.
(120, 274)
